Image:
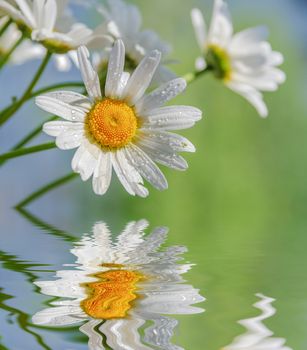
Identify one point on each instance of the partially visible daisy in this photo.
(50, 23)
(257, 335)
(24, 52)
(244, 61)
(124, 129)
(123, 21)
(116, 287)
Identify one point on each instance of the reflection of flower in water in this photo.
(258, 336)
(119, 286)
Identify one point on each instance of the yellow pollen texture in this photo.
(111, 123)
(111, 295)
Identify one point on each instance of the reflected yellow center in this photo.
(111, 123)
(111, 296)
(219, 61)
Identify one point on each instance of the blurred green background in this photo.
(241, 206)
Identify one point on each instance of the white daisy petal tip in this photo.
(245, 61)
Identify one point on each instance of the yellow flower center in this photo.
(111, 123)
(219, 61)
(111, 296)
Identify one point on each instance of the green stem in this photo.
(4, 28)
(56, 86)
(8, 112)
(8, 54)
(190, 77)
(23, 151)
(28, 137)
(32, 134)
(40, 192)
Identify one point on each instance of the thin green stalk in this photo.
(32, 134)
(56, 86)
(8, 54)
(24, 151)
(8, 112)
(4, 28)
(28, 138)
(190, 77)
(40, 192)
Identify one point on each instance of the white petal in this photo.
(221, 25)
(70, 139)
(127, 174)
(171, 118)
(58, 316)
(95, 338)
(80, 34)
(171, 160)
(102, 173)
(89, 76)
(141, 77)
(27, 12)
(160, 96)
(276, 58)
(199, 28)
(49, 14)
(85, 160)
(98, 42)
(55, 128)
(60, 108)
(166, 141)
(72, 98)
(200, 64)
(115, 69)
(62, 62)
(248, 37)
(38, 8)
(124, 334)
(253, 96)
(146, 167)
(11, 11)
(265, 81)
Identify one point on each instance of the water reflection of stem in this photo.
(11, 262)
(45, 226)
(22, 319)
(61, 181)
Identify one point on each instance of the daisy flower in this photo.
(39, 18)
(116, 287)
(124, 129)
(24, 52)
(257, 335)
(244, 61)
(123, 21)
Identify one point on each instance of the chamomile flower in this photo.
(24, 52)
(50, 23)
(123, 129)
(116, 287)
(257, 335)
(123, 21)
(244, 61)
